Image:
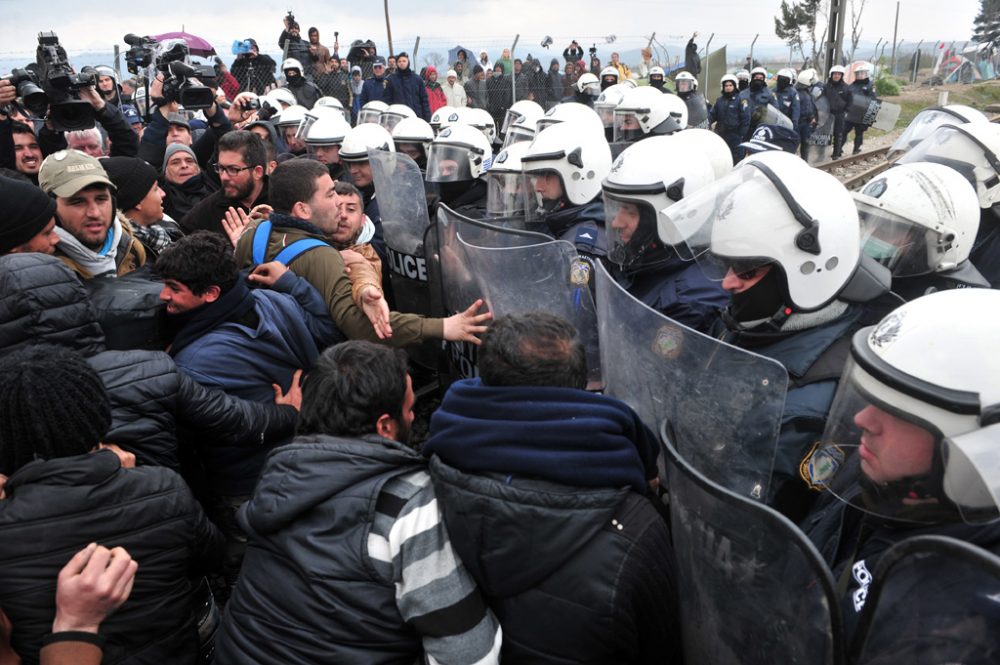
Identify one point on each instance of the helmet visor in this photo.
(922, 126)
(518, 133)
(631, 226)
(684, 85)
(877, 455)
(955, 149)
(509, 119)
(628, 126)
(895, 242)
(389, 119)
(308, 120)
(511, 195)
(545, 121)
(325, 153)
(448, 163)
(369, 115)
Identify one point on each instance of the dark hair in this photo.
(247, 144)
(14, 175)
(18, 127)
(532, 349)
(199, 261)
(314, 29)
(350, 387)
(52, 404)
(294, 181)
(348, 189)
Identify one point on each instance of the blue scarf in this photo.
(561, 435)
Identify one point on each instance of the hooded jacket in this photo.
(54, 508)
(42, 302)
(406, 87)
(573, 559)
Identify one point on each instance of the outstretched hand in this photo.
(294, 395)
(464, 326)
(235, 222)
(377, 310)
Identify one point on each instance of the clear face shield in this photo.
(512, 195)
(706, 225)
(518, 133)
(308, 120)
(627, 128)
(905, 248)
(631, 226)
(369, 115)
(888, 462)
(607, 113)
(412, 149)
(592, 90)
(449, 163)
(389, 120)
(324, 153)
(922, 126)
(509, 119)
(684, 85)
(543, 122)
(959, 151)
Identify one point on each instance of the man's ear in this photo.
(212, 293)
(258, 172)
(386, 426)
(302, 210)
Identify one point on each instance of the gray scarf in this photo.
(96, 263)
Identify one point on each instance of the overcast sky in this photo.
(489, 24)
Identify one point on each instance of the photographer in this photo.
(254, 71)
(573, 52)
(319, 55)
(154, 139)
(292, 44)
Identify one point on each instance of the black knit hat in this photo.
(133, 178)
(52, 404)
(26, 211)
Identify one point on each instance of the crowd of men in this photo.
(218, 333)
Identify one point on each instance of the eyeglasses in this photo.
(231, 171)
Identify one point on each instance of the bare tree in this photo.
(857, 9)
(434, 59)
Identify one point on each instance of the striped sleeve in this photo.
(408, 546)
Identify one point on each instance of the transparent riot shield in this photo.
(399, 188)
(823, 133)
(453, 284)
(546, 277)
(932, 600)
(873, 112)
(697, 110)
(766, 114)
(753, 589)
(725, 401)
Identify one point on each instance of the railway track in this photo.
(856, 170)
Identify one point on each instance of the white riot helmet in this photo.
(280, 98)
(313, 115)
(920, 218)
(696, 141)
(334, 103)
(483, 121)
(837, 69)
(607, 102)
(291, 63)
(787, 74)
(631, 82)
(972, 149)
(741, 75)
(683, 82)
(914, 423)
(806, 77)
(925, 122)
(588, 84)
(325, 137)
(413, 131)
(656, 70)
(863, 67)
(457, 116)
(646, 111)
(509, 191)
(522, 109)
(293, 115)
(577, 152)
(393, 114)
(773, 210)
(646, 178)
(360, 139)
(523, 128)
(610, 76)
(730, 79)
(569, 111)
(458, 153)
(758, 70)
(438, 116)
(371, 112)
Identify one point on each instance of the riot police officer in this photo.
(758, 94)
(861, 86)
(731, 116)
(838, 96)
(787, 97)
(743, 80)
(805, 86)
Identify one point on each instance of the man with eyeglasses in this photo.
(783, 240)
(241, 167)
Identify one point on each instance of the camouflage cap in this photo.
(66, 172)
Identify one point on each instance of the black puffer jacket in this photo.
(574, 574)
(41, 300)
(55, 508)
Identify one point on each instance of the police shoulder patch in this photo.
(821, 465)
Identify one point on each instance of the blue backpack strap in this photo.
(260, 237)
(297, 248)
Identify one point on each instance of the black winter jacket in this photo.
(41, 300)
(55, 508)
(405, 87)
(207, 215)
(574, 575)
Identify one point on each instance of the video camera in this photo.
(242, 47)
(290, 17)
(181, 87)
(67, 112)
(593, 50)
(141, 55)
(26, 83)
